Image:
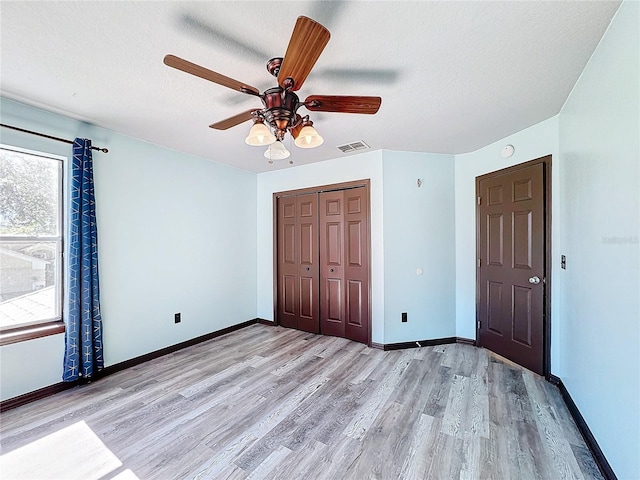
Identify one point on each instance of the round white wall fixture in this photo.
(507, 151)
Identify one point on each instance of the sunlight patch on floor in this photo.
(74, 452)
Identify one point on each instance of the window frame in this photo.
(55, 325)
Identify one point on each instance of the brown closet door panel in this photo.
(289, 294)
(287, 263)
(332, 294)
(307, 298)
(333, 237)
(307, 244)
(354, 244)
(354, 303)
(334, 300)
(356, 270)
(289, 244)
(308, 263)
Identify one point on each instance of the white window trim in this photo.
(50, 326)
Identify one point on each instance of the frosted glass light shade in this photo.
(259, 135)
(277, 151)
(308, 138)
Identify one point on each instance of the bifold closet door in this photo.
(344, 264)
(332, 289)
(298, 256)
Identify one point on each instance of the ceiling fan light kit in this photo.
(259, 135)
(280, 104)
(308, 136)
(276, 151)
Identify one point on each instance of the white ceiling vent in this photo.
(352, 147)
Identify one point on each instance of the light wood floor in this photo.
(268, 402)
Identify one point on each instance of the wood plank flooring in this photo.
(268, 402)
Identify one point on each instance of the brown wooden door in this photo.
(356, 264)
(287, 263)
(511, 246)
(332, 283)
(323, 262)
(298, 261)
(344, 264)
(308, 265)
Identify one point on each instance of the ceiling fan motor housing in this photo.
(280, 108)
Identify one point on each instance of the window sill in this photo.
(30, 332)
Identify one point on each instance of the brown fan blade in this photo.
(233, 121)
(343, 104)
(307, 42)
(198, 71)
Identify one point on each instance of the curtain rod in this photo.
(103, 150)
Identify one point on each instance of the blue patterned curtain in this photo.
(83, 336)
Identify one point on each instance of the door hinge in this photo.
(479, 263)
(479, 200)
(479, 324)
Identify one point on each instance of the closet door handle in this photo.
(307, 269)
(331, 269)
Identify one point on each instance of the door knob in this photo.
(534, 280)
(331, 269)
(307, 269)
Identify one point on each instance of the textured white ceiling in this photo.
(453, 76)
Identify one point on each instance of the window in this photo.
(30, 243)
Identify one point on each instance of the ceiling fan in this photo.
(280, 103)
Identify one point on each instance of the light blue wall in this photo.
(418, 233)
(29, 366)
(534, 142)
(177, 233)
(396, 244)
(599, 145)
